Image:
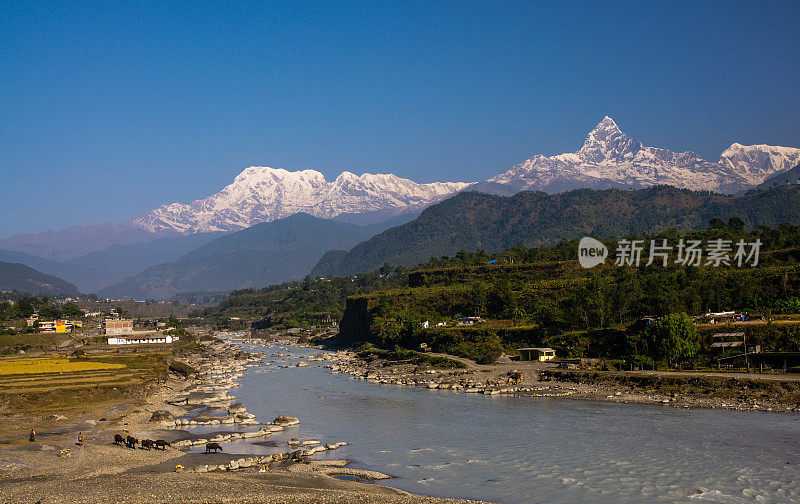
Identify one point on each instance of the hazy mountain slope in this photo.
(611, 159)
(121, 261)
(75, 241)
(82, 275)
(263, 194)
(379, 219)
(100, 269)
(266, 253)
(474, 221)
(791, 176)
(15, 276)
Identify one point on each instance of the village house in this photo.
(58, 326)
(117, 326)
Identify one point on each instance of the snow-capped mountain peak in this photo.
(610, 158)
(263, 194)
(607, 141)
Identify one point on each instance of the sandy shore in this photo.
(55, 470)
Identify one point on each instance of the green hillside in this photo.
(542, 297)
(474, 221)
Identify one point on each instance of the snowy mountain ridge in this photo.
(264, 194)
(609, 158)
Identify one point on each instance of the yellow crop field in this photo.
(39, 366)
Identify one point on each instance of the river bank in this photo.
(55, 469)
(769, 392)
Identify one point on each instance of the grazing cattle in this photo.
(160, 444)
(147, 444)
(131, 442)
(118, 439)
(213, 446)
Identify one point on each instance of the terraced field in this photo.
(45, 382)
(52, 366)
(50, 384)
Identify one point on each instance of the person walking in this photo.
(32, 436)
(80, 439)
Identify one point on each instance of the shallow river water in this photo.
(528, 450)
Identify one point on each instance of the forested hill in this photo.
(15, 276)
(475, 221)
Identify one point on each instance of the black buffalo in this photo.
(118, 439)
(160, 444)
(131, 442)
(214, 447)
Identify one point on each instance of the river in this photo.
(526, 450)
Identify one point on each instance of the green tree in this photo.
(736, 223)
(72, 310)
(674, 337)
(49, 312)
(717, 223)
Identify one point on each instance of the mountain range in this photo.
(611, 159)
(608, 158)
(95, 258)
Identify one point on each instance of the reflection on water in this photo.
(516, 450)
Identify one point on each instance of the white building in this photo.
(139, 339)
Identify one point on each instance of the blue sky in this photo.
(108, 111)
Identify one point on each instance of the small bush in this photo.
(181, 368)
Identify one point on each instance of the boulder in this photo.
(236, 408)
(284, 420)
